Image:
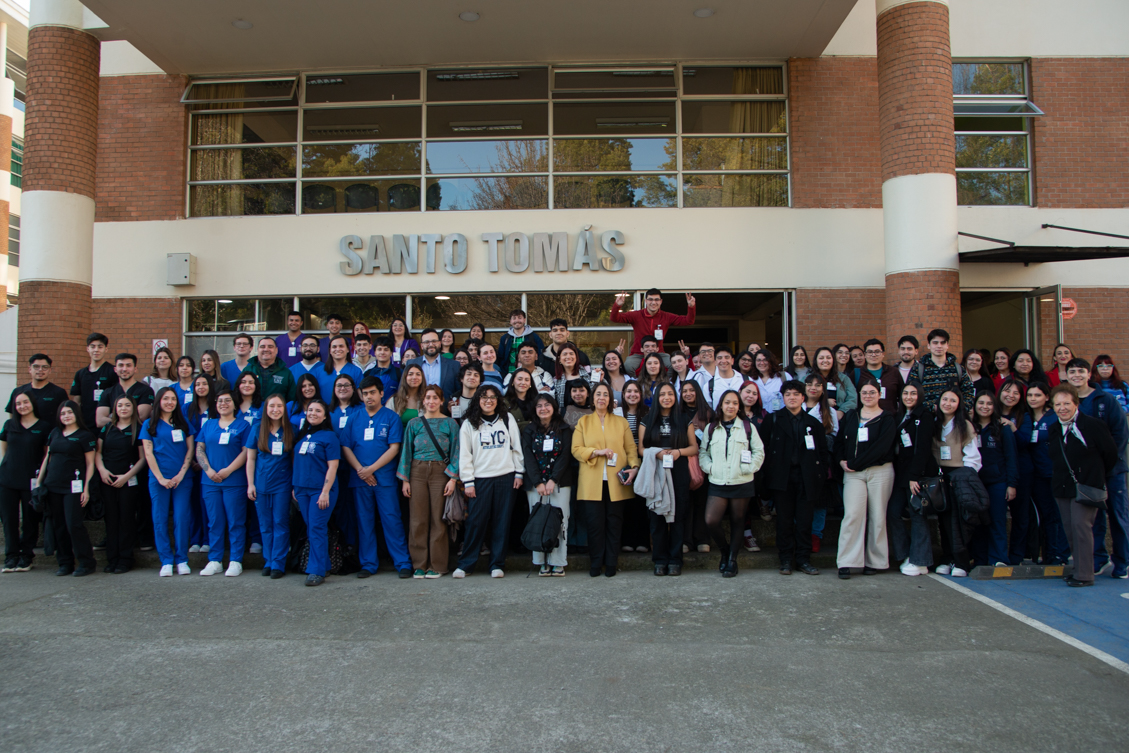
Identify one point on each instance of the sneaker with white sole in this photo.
(1106, 568)
(194, 548)
(166, 571)
(182, 568)
(497, 573)
(751, 542)
(256, 549)
(212, 568)
(459, 573)
(958, 572)
(704, 548)
(234, 569)
(1001, 564)
(943, 569)
(911, 570)
(431, 575)
(205, 548)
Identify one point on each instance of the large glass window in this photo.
(13, 240)
(993, 133)
(17, 162)
(490, 138)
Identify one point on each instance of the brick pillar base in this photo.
(58, 316)
(917, 302)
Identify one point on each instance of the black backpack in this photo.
(543, 531)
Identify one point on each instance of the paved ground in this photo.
(760, 662)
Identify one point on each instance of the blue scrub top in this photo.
(249, 416)
(284, 344)
(342, 419)
(230, 371)
(299, 369)
(183, 396)
(222, 455)
(272, 472)
(168, 453)
(325, 381)
(1039, 451)
(387, 429)
(311, 466)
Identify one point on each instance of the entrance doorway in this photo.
(1013, 320)
(733, 319)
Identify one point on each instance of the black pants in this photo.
(72, 542)
(636, 527)
(793, 521)
(695, 532)
(488, 515)
(144, 512)
(19, 540)
(915, 543)
(605, 525)
(955, 533)
(667, 538)
(121, 513)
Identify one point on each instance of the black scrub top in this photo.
(86, 384)
(47, 400)
(68, 458)
(121, 448)
(25, 452)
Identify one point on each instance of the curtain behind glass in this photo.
(752, 117)
(219, 164)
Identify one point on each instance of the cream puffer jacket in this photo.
(721, 458)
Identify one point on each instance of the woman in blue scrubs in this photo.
(219, 451)
(346, 403)
(248, 398)
(167, 439)
(316, 459)
(308, 389)
(185, 369)
(337, 364)
(197, 413)
(269, 468)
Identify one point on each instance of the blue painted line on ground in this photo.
(1097, 616)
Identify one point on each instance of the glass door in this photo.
(1042, 310)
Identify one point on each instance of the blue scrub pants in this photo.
(382, 500)
(198, 533)
(317, 527)
(1118, 507)
(1057, 549)
(1020, 508)
(488, 514)
(273, 511)
(179, 501)
(227, 513)
(989, 544)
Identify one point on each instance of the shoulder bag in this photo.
(454, 504)
(1084, 494)
(543, 531)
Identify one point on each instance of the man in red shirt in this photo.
(652, 320)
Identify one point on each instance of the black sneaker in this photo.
(80, 572)
(405, 572)
(363, 573)
(24, 566)
(108, 569)
(869, 571)
(660, 569)
(785, 569)
(122, 569)
(844, 573)
(64, 571)
(314, 580)
(276, 574)
(674, 570)
(808, 568)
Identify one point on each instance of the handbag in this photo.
(1084, 494)
(931, 498)
(39, 501)
(543, 531)
(454, 504)
(697, 478)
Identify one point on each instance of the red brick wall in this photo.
(833, 113)
(142, 137)
(1099, 325)
(917, 302)
(133, 323)
(62, 111)
(54, 319)
(915, 90)
(825, 316)
(1080, 144)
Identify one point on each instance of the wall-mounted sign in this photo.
(515, 252)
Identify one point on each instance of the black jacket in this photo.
(915, 462)
(1091, 462)
(778, 447)
(878, 448)
(562, 471)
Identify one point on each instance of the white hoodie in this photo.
(491, 450)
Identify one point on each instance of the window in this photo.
(13, 240)
(17, 162)
(489, 138)
(992, 119)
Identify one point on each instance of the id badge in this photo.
(977, 440)
(177, 435)
(611, 461)
(98, 394)
(276, 448)
(809, 442)
(34, 483)
(293, 351)
(1035, 436)
(547, 445)
(304, 448)
(659, 333)
(946, 453)
(906, 441)
(864, 434)
(882, 394)
(225, 438)
(76, 486)
(746, 456)
(132, 481)
(370, 434)
(342, 421)
(396, 356)
(188, 398)
(668, 461)
(249, 418)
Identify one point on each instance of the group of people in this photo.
(371, 438)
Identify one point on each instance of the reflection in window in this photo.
(614, 191)
(734, 154)
(361, 124)
(604, 118)
(351, 87)
(245, 128)
(215, 316)
(710, 80)
(706, 116)
(720, 190)
(988, 188)
(263, 163)
(390, 195)
(377, 312)
(237, 199)
(342, 160)
(578, 309)
(526, 156)
(516, 192)
(994, 79)
(495, 121)
(467, 85)
(609, 155)
(461, 311)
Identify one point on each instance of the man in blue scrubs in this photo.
(389, 374)
(310, 349)
(371, 446)
(242, 344)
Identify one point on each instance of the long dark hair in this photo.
(702, 413)
(992, 366)
(300, 402)
(824, 406)
(176, 420)
(264, 428)
(645, 379)
(308, 428)
(1020, 407)
(961, 425)
(641, 407)
(773, 364)
(134, 419)
(833, 373)
(78, 422)
(653, 422)
(172, 364)
(567, 346)
(34, 407)
(717, 418)
(513, 401)
(256, 396)
(179, 361)
(210, 398)
(791, 367)
(556, 421)
(835, 356)
(329, 361)
(474, 413)
(354, 399)
(994, 421)
(1037, 373)
(215, 362)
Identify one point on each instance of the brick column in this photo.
(56, 260)
(915, 118)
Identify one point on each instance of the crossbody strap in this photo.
(431, 434)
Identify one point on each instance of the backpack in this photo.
(919, 371)
(336, 554)
(543, 531)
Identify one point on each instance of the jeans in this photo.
(559, 498)
(1020, 508)
(488, 514)
(120, 505)
(227, 513)
(317, 527)
(1057, 545)
(71, 539)
(865, 496)
(178, 502)
(371, 501)
(1118, 507)
(818, 521)
(989, 545)
(19, 540)
(916, 544)
(273, 512)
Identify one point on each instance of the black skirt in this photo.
(733, 491)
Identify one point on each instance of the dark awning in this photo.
(1042, 254)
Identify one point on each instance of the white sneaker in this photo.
(205, 548)
(166, 571)
(194, 548)
(183, 569)
(685, 549)
(959, 573)
(1106, 568)
(234, 569)
(212, 568)
(497, 573)
(459, 573)
(912, 570)
(1001, 564)
(704, 548)
(943, 569)
(256, 549)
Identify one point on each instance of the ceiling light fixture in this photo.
(460, 313)
(703, 12)
(239, 23)
(442, 297)
(469, 16)
(224, 300)
(476, 76)
(324, 81)
(463, 126)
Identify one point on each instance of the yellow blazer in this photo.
(615, 435)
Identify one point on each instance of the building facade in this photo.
(816, 173)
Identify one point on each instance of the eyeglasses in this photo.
(487, 399)
(875, 352)
(432, 341)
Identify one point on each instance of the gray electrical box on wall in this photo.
(182, 269)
